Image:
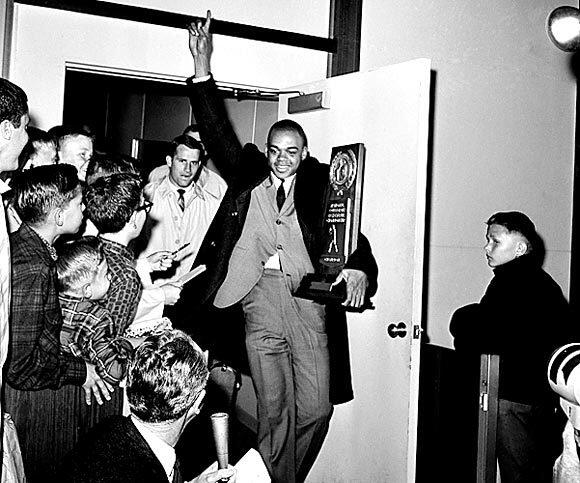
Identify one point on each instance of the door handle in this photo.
(397, 330)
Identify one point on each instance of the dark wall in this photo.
(118, 109)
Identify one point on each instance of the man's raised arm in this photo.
(209, 111)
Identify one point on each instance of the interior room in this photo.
(471, 110)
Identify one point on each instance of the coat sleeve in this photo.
(363, 259)
(217, 133)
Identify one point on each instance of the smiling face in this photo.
(183, 165)
(76, 150)
(503, 246)
(285, 151)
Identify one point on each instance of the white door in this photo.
(373, 438)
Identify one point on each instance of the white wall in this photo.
(45, 39)
(503, 131)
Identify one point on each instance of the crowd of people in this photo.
(94, 306)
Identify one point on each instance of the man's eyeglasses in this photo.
(146, 206)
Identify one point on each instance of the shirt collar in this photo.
(117, 249)
(274, 180)
(207, 184)
(4, 187)
(164, 452)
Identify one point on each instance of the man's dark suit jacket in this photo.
(244, 168)
(113, 451)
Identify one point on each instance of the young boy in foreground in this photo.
(88, 329)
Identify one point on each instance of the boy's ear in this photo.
(6, 129)
(521, 248)
(58, 217)
(168, 160)
(133, 219)
(87, 291)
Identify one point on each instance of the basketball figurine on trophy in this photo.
(341, 223)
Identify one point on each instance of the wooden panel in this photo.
(345, 28)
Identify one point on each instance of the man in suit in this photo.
(165, 389)
(267, 234)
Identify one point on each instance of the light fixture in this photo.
(563, 28)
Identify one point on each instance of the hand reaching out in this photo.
(160, 261)
(95, 386)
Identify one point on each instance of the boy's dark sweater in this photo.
(523, 317)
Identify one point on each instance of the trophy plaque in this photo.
(341, 224)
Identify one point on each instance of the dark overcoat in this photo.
(244, 168)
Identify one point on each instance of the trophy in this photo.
(341, 225)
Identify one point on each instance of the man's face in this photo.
(72, 215)
(285, 151)
(16, 138)
(76, 150)
(503, 246)
(183, 165)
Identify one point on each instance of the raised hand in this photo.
(201, 45)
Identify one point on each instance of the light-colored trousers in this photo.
(288, 355)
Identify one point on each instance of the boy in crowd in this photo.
(75, 146)
(523, 317)
(88, 330)
(116, 207)
(39, 151)
(48, 199)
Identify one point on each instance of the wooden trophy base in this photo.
(318, 287)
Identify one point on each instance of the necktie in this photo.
(177, 478)
(181, 200)
(280, 195)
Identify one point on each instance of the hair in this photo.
(288, 125)
(66, 131)
(78, 262)
(192, 128)
(110, 201)
(36, 139)
(102, 165)
(39, 190)
(13, 102)
(166, 375)
(516, 222)
(189, 142)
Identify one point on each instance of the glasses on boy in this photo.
(146, 206)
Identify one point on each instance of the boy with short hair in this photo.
(40, 376)
(75, 147)
(523, 317)
(116, 207)
(88, 330)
